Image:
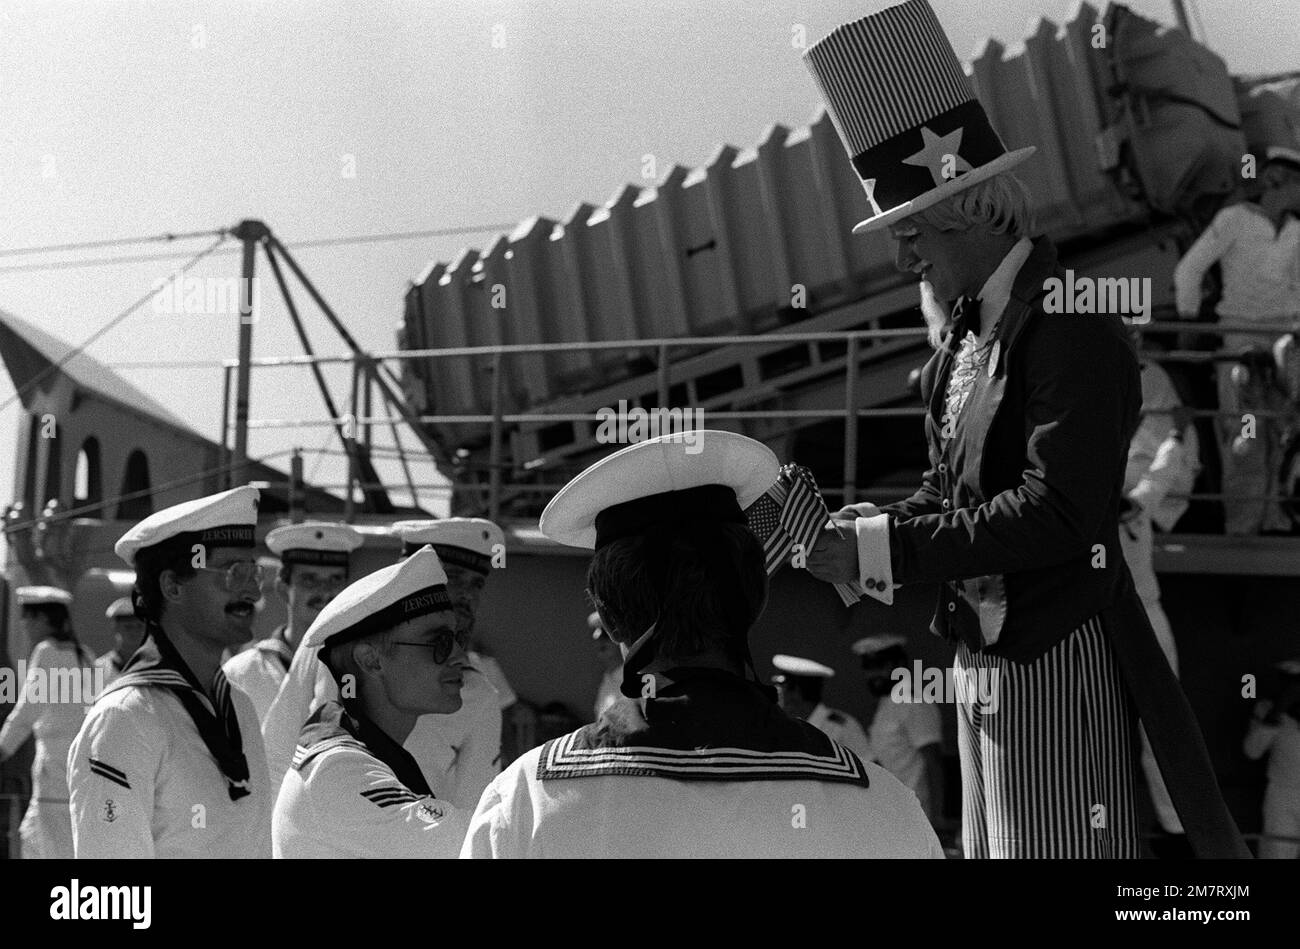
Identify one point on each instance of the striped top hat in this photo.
(906, 112)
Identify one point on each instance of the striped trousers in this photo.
(1047, 769)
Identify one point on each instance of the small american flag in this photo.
(792, 512)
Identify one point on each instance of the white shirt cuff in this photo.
(875, 572)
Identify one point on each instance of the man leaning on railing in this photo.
(1258, 247)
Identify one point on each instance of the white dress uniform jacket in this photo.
(259, 670)
(1281, 742)
(461, 753)
(144, 784)
(711, 768)
(354, 792)
(111, 665)
(898, 733)
(842, 727)
(41, 710)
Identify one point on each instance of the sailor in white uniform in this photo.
(1163, 460)
(169, 762)
(906, 737)
(128, 634)
(51, 707)
(353, 790)
(314, 559)
(799, 683)
(465, 746)
(1275, 731)
(697, 759)
(460, 753)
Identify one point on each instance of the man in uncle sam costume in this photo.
(1029, 419)
(695, 759)
(391, 643)
(314, 560)
(458, 753)
(169, 762)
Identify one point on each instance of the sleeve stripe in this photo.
(389, 796)
(109, 773)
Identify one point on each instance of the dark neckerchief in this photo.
(966, 316)
(332, 725)
(157, 664)
(701, 725)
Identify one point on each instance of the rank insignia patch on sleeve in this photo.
(430, 812)
(108, 772)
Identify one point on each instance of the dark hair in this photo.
(890, 658)
(810, 687)
(703, 587)
(149, 566)
(56, 614)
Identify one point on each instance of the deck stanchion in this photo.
(494, 455)
(851, 421)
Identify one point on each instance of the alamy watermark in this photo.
(205, 296)
(1124, 296)
(627, 426)
(54, 686)
(920, 685)
(133, 903)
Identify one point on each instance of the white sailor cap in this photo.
(219, 520)
(800, 667)
(690, 477)
(322, 543)
(872, 645)
(464, 541)
(121, 608)
(42, 596)
(1283, 156)
(381, 600)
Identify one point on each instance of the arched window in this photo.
(135, 481)
(33, 459)
(87, 488)
(53, 464)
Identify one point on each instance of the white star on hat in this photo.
(934, 152)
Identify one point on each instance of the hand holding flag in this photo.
(792, 512)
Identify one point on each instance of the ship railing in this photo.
(857, 343)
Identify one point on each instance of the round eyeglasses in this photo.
(242, 574)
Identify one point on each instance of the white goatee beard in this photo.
(937, 318)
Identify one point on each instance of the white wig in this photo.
(1001, 203)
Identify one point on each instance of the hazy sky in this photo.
(128, 118)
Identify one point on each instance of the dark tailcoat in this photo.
(1018, 519)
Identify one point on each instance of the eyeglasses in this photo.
(242, 573)
(443, 644)
(311, 583)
